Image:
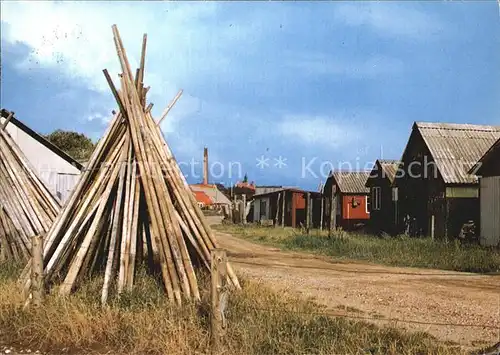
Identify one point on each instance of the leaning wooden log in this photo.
(132, 203)
(27, 207)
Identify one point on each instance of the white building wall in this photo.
(59, 175)
(490, 210)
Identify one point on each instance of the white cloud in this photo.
(321, 64)
(332, 132)
(76, 37)
(391, 19)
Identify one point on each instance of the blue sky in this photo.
(318, 83)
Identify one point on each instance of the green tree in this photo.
(77, 145)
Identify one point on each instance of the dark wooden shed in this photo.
(383, 208)
(436, 193)
(351, 198)
(287, 207)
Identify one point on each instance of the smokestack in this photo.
(205, 166)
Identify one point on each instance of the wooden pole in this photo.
(432, 227)
(283, 210)
(37, 286)
(277, 210)
(244, 209)
(7, 120)
(169, 107)
(333, 212)
(218, 275)
(308, 212)
(321, 214)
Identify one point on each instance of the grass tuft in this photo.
(396, 251)
(144, 322)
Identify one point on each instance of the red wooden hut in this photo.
(351, 197)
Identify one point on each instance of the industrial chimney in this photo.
(205, 166)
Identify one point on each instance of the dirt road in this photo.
(367, 290)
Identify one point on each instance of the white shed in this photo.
(261, 210)
(58, 170)
(488, 171)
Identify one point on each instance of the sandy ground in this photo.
(368, 290)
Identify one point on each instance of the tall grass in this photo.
(143, 322)
(396, 251)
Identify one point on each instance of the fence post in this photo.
(283, 210)
(333, 212)
(37, 287)
(308, 212)
(432, 227)
(218, 275)
(277, 210)
(244, 209)
(321, 214)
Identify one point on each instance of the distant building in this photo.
(245, 185)
(435, 190)
(488, 170)
(58, 170)
(264, 189)
(383, 204)
(351, 197)
(202, 198)
(216, 196)
(269, 206)
(242, 188)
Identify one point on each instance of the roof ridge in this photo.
(352, 172)
(389, 161)
(453, 126)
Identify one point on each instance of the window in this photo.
(368, 204)
(376, 198)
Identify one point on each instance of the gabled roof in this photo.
(477, 169)
(202, 197)
(351, 182)
(41, 140)
(211, 190)
(455, 148)
(388, 169)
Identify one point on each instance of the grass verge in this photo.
(143, 322)
(395, 251)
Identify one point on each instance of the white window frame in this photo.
(395, 194)
(376, 203)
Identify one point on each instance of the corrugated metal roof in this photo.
(390, 167)
(352, 181)
(457, 147)
(387, 167)
(213, 192)
(287, 189)
(202, 197)
(485, 159)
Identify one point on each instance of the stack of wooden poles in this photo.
(27, 207)
(131, 206)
